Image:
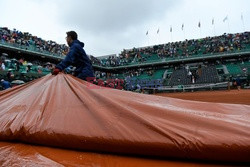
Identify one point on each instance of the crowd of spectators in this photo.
(132, 73)
(181, 49)
(111, 61)
(15, 72)
(31, 42)
(125, 77)
(15, 65)
(109, 83)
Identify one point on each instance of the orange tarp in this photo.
(66, 112)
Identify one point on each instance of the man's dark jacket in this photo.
(78, 58)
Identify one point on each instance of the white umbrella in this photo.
(5, 54)
(17, 82)
(14, 59)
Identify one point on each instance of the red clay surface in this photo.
(225, 96)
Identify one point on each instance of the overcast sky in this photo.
(109, 26)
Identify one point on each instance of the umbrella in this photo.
(17, 82)
(13, 59)
(5, 54)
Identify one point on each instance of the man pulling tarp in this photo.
(76, 57)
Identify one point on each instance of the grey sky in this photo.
(109, 26)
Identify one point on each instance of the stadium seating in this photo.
(150, 75)
(234, 69)
(180, 77)
(226, 43)
(207, 75)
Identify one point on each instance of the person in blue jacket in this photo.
(238, 82)
(5, 84)
(76, 57)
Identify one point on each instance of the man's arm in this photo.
(69, 59)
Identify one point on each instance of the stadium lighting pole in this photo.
(227, 19)
(158, 35)
(171, 33)
(199, 25)
(243, 24)
(158, 39)
(183, 29)
(184, 34)
(228, 25)
(200, 32)
(214, 31)
(148, 40)
(147, 37)
(213, 26)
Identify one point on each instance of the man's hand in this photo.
(56, 71)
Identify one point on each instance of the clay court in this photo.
(224, 96)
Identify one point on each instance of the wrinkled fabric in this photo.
(67, 112)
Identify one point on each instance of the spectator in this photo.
(28, 68)
(138, 88)
(17, 66)
(193, 79)
(9, 75)
(3, 66)
(238, 83)
(5, 84)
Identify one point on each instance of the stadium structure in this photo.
(207, 63)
